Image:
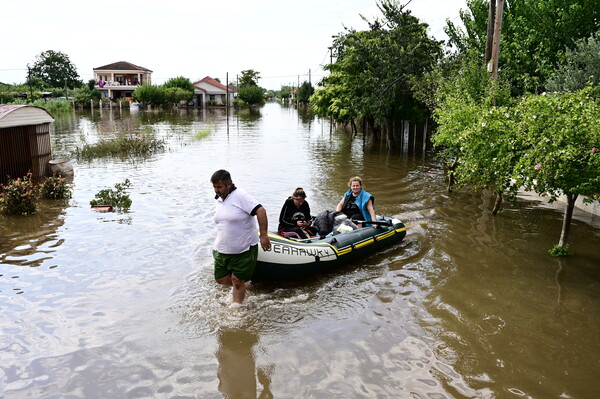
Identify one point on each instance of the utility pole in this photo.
(490, 32)
(496, 44)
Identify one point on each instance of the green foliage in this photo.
(534, 36)
(582, 67)
(150, 94)
(54, 106)
(174, 95)
(334, 99)
(546, 144)
(249, 77)
(251, 94)
(306, 90)
(54, 69)
(238, 102)
(561, 251)
(83, 96)
(19, 196)
(285, 92)
(116, 197)
(181, 83)
(201, 134)
(462, 105)
(55, 187)
(372, 73)
(121, 146)
(560, 133)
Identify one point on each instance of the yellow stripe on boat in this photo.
(362, 244)
(342, 251)
(386, 235)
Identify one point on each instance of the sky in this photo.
(285, 41)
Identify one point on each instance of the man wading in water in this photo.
(235, 249)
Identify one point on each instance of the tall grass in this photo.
(122, 146)
(54, 106)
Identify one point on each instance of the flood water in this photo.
(123, 305)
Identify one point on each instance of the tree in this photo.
(180, 82)
(306, 90)
(251, 94)
(535, 34)
(581, 66)
(560, 133)
(54, 69)
(374, 67)
(178, 89)
(150, 94)
(249, 77)
(84, 95)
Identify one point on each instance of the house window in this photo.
(212, 97)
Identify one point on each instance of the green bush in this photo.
(54, 106)
(122, 146)
(117, 198)
(18, 197)
(252, 95)
(55, 187)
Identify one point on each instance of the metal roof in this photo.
(23, 115)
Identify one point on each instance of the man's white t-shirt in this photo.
(237, 230)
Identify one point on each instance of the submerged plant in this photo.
(201, 134)
(55, 187)
(116, 197)
(122, 146)
(560, 251)
(18, 197)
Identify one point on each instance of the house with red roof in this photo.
(120, 79)
(209, 91)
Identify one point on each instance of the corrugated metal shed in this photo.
(24, 141)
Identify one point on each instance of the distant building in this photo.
(209, 91)
(120, 79)
(24, 141)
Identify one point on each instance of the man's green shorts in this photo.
(241, 265)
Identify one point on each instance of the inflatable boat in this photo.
(290, 258)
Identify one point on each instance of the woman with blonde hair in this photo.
(356, 203)
(295, 218)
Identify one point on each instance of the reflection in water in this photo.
(237, 368)
(125, 305)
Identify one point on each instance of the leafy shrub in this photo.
(18, 197)
(122, 146)
(117, 198)
(560, 251)
(202, 134)
(54, 106)
(55, 187)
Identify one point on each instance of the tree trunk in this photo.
(564, 234)
(497, 203)
(354, 129)
(451, 175)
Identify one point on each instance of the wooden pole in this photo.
(496, 44)
(490, 31)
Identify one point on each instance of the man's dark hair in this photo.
(220, 175)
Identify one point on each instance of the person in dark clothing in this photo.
(295, 216)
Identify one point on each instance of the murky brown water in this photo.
(111, 305)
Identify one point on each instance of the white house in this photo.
(120, 79)
(208, 91)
